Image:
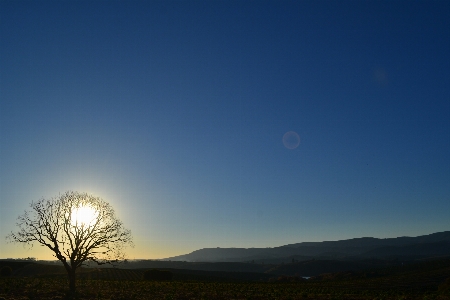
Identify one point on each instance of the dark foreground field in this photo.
(425, 280)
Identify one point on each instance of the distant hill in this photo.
(407, 248)
(302, 259)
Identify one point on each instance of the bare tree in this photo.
(77, 227)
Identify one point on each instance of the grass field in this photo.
(418, 281)
(56, 288)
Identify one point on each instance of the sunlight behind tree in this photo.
(84, 216)
(77, 227)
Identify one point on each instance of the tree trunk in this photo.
(72, 281)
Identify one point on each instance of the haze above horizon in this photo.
(229, 123)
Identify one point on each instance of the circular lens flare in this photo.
(291, 140)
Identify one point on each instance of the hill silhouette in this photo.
(406, 248)
(302, 259)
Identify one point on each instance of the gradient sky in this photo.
(175, 111)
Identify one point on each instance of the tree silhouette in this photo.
(77, 227)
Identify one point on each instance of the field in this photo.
(424, 280)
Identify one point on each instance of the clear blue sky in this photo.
(175, 111)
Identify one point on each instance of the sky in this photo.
(229, 123)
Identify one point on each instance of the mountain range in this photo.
(308, 259)
(403, 248)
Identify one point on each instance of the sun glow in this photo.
(84, 215)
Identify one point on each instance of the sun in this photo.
(84, 216)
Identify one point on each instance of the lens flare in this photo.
(291, 140)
